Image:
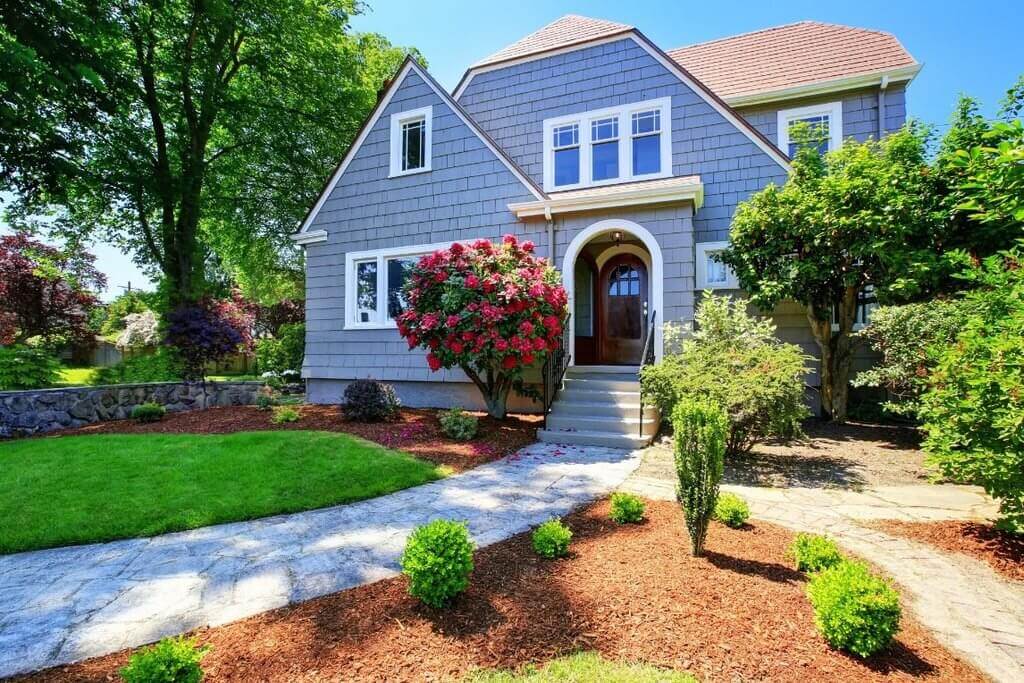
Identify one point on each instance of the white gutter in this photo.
(906, 73)
(581, 201)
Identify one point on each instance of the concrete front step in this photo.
(581, 438)
(606, 408)
(603, 369)
(589, 383)
(601, 423)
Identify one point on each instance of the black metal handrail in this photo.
(554, 369)
(646, 358)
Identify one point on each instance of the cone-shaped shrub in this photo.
(701, 429)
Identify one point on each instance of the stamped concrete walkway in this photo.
(968, 606)
(66, 604)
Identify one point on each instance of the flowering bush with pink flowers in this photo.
(491, 310)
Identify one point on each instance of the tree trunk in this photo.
(836, 348)
(496, 404)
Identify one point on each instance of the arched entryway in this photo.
(612, 271)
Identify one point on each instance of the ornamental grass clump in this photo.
(812, 553)
(438, 559)
(627, 508)
(551, 539)
(731, 510)
(701, 430)
(172, 660)
(148, 412)
(458, 424)
(854, 610)
(367, 400)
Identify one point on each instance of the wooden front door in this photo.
(623, 294)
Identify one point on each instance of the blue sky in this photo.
(972, 47)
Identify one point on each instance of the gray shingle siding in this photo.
(511, 104)
(860, 112)
(464, 196)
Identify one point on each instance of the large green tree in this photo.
(194, 132)
(863, 216)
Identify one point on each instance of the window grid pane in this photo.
(716, 272)
(820, 133)
(604, 129)
(647, 122)
(567, 136)
(647, 154)
(413, 144)
(398, 272)
(366, 291)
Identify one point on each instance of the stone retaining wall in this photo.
(30, 412)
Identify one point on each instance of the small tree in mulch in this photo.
(492, 311)
(701, 428)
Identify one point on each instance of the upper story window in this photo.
(824, 120)
(618, 144)
(411, 133)
(566, 146)
(712, 273)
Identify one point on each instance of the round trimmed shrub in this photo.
(172, 660)
(854, 610)
(731, 510)
(148, 412)
(812, 553)
(367, 400)
(458, 424)
(627, 508)
(551, 539)
(438, 559)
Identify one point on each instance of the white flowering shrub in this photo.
(140, 330)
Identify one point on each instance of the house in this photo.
(624, 163)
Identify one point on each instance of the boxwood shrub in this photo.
(812, 553)
(854, 610)
(172, 660)
(731, 510)
(458, 424)
(627, 508)
(437, 560)
(551, 539)
(148, 412)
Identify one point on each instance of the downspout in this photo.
(551, 233)
(881, 106)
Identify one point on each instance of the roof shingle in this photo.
(790, 56)
(568, 30)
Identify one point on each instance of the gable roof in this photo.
(562, 32)
(409, 65)
(789, 58)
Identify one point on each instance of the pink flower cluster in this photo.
(485, 305)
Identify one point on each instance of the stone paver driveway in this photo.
(66, 604)
(968, 606)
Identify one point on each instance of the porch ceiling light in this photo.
(617, 237)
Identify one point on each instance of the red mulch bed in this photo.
(630, 592)
(1002, 551)
(414, 431)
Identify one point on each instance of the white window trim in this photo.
(381, 256)
(834, 110)
(624, 114)
(425, 113)
(731, 282)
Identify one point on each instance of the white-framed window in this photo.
(374, 282)
(411, 141)
(867, 302)
(825, 121)
(613, 145)
(711, 273)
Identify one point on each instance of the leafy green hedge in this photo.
(26, 367)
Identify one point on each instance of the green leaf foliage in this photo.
(903, 335)
(438, 559)
(148, 412)
(731, 510)
(627, 508)
(284, 414)
(812, 553)
(172, 660)
(283, 352)
(973, 410)
(27, 367)
(458, 424)
(736, 360)
(853, 609)
(159, 366)
(551, 539)
(701, 428)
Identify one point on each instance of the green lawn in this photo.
(75, 377)
(79, 489)
(582, 668)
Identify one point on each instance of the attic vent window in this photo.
(411, 133)
(824, 122)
